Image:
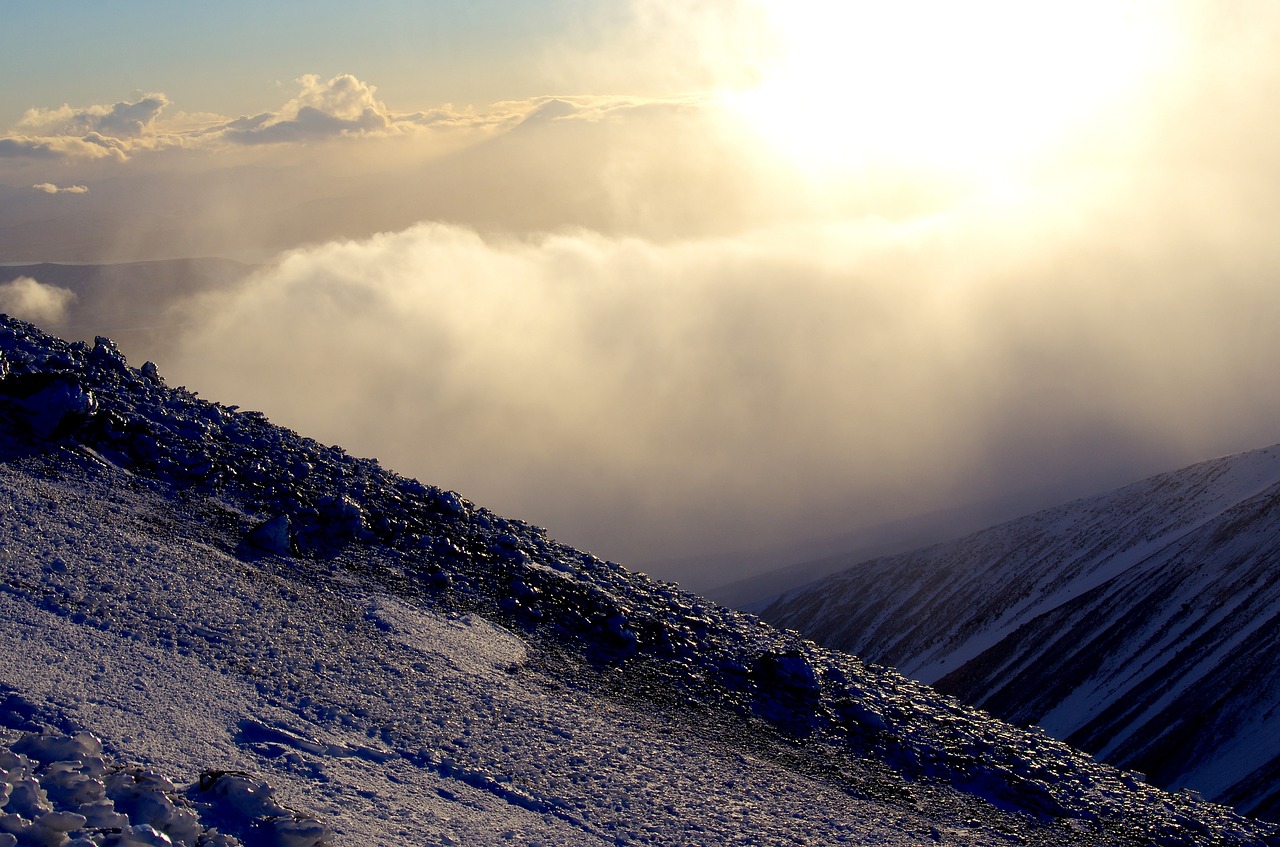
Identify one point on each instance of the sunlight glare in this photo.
(944, 86)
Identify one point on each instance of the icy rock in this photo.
(241, 795)
(143, 835)
(14, 824)
(343, 509)
(50, 404)
(105, 351)
(450, 502)
(102, 814)
(342, 516)
(70, 788)
(788, 691)
(788, 670)
(61, 821)
(299, 833)
(49, 748)
(213, 838)
(28, 799)
(190, 430)
(272, 536)
(7, 840)
(143, 797)
(151, 373)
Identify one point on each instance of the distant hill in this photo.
(1141, 625)
(831, 555)
(129, 301)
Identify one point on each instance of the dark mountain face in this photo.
(1140, 625)
(220, 596)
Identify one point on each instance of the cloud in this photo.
(339, 109)
(101, 132)
(663, 168)
(30, 300)
(119, 120)
(340, 106)
(647, 399)
(91, 147)
(50, 188)
(344, 97)
(308, 123)
(27, 147)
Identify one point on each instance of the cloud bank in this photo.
(121, 120)
(30, 300)
(648, 399)
(652, 167)
(340, 107)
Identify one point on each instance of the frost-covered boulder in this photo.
(245, 802)
(60, 790)
(151, 373)
(148, 798)
(83, 747)
(342, 515)
(788, 691)
(273, 536)
(47, 404)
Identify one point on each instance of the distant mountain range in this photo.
(129, 301)
(1141, 625)
(216, 632)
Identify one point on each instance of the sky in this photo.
(684, 279)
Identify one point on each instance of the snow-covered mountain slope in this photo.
(269, 641)
(1141, 625)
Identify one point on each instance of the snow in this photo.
(392, 664)
(1133, 623)
(60, 790)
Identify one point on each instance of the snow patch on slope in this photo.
(473, 644)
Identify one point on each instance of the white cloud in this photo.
(50, 188)
(649, 399)
(118, 120)
(88, 148)
(33, 301)
(100, 132)
(343, 97)
(342, 105)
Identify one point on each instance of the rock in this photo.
(151, 373)
(61, 821)
(49, 404)
(273, 536)
(105, 352)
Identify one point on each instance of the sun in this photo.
(946, 86)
